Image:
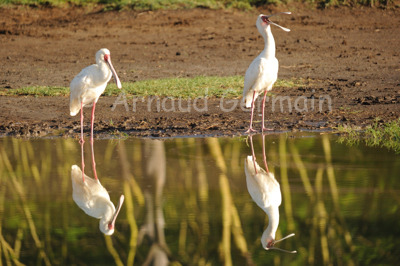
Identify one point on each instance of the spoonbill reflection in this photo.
(263, 71)
(94, 200)
(265, 190)
(154, 174)
(89, 84)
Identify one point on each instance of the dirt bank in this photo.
(347, 57)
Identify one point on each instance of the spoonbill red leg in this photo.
(264, 155)
(250, 130)
(92, 121)
(83, 162)
(253, 153)
(263, 111)
(93, 160)
(92, 141)
(82, 139)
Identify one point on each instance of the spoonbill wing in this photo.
(263, 187)
(258, 78)
(78, 88)
(87, 193)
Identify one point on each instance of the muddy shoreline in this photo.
(348, 55)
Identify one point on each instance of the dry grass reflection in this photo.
(186, 202)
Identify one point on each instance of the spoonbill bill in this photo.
(265, 191)
(263, 71)
(89, 84)
(94, 200)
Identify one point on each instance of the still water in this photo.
(186, 202)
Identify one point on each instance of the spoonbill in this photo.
(263, 71)
(265, 191)
(89, 84)
(94, 200)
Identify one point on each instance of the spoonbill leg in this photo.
(250, 130)
(82, 139)
(83, 161)
(264, 155)
(93, 161)
(253, 153)
(263, 110)
(92, 121)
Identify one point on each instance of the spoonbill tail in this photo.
(94, 200)
(263, 71)
(89, 84)
(265, 191)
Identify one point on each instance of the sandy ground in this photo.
(348, 58)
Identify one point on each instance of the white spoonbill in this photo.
(94, 200)
(264, 189)
(263, 71)
(89, 84)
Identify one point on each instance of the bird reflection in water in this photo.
(154, 172)
(265, 190)
(93, 198)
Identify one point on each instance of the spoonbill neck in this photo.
(273, 221)
(269, 43)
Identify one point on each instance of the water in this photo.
(186, 200)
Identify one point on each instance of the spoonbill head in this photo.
(103, 55)
(263, 22)
(268, 242)
(107, 224)
(94, 200)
